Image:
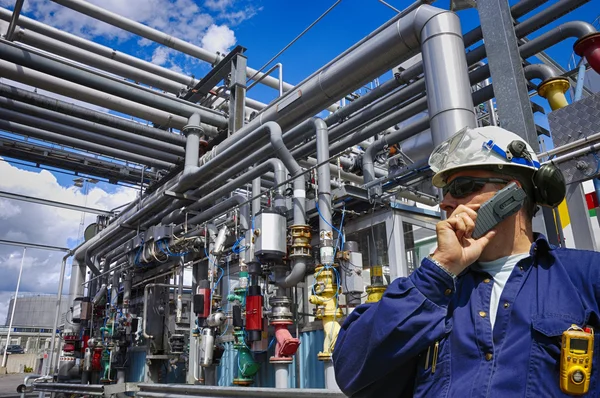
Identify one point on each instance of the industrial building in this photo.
(285, 221)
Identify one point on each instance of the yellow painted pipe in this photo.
(327, 308)
(554, 90)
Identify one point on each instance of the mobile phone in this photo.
(505, 203)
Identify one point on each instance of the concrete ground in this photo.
(9, 383)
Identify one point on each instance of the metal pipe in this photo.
(133, 142)
(580, 81)
(547, 15)
(539, 71)
(14, 20)
(32, 77)
(330, 382)
(295, 171)
(78, 143)
(186, 390)
(576, 29)
(281, 375)
(396, 43)
(390, 139)
(75, 75)
(155, 35)
(448, 87)
(90, 115)
(271, 164)
(192, 131)
(324, 193)
(14, 306)
(106, 64)
(214, 211)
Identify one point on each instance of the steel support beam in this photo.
(47, 202)
(238, 93)
(510, 85)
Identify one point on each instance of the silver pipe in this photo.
(392, 45)
(49, 66)
(281, 375)
(569, 146)
(42, 101)
(13, 23)
(106, 52)
(330, 382)
(56, 47)
(575, 154)
(155, 35)
(183, 390)
(192, 131)
(271, 164)
(448, 87)
(61, 280)
(324, 193)
(295, 171)
(131, 65)
(309, 162)
(135, 143)
(32, 77)
(547, 15)
(79, 143)
(539, 71)
(256, 189)
(86, 136)
(214, 211)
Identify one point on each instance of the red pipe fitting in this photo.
(589, 47)
(286, 344)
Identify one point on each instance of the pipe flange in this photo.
(281, 360)
(192, 128)
(555, 83)
(582, 44)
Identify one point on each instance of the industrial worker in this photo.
(479, 317)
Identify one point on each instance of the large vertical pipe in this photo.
(13, 22)
(281, 375)
(324, 193)
(447, 83)
(14, 306)
(192, 131)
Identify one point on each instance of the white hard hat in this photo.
(481, 147)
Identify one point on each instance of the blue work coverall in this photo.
(386, 349)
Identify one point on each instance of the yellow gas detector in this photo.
(577, 351)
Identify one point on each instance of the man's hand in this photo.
(456, 248)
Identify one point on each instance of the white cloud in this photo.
(218, 5)
(41, 224)
(218, 39)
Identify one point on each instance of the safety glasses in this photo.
(461, 187)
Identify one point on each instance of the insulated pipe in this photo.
(106, 64)
(157, 36)
(75, 75)
(447, 83)
(130, 65)
(390, 139)
(324, 193)
(299, 203)
(271, 164)
(32, 77)
(392, 45)
(256, 189)
(161, 150)
(79, 143)
(192, 131)
(90, 115)
(295, 171)
(67, 132)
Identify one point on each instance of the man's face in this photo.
(450, 203)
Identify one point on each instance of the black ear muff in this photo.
(549, 185)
